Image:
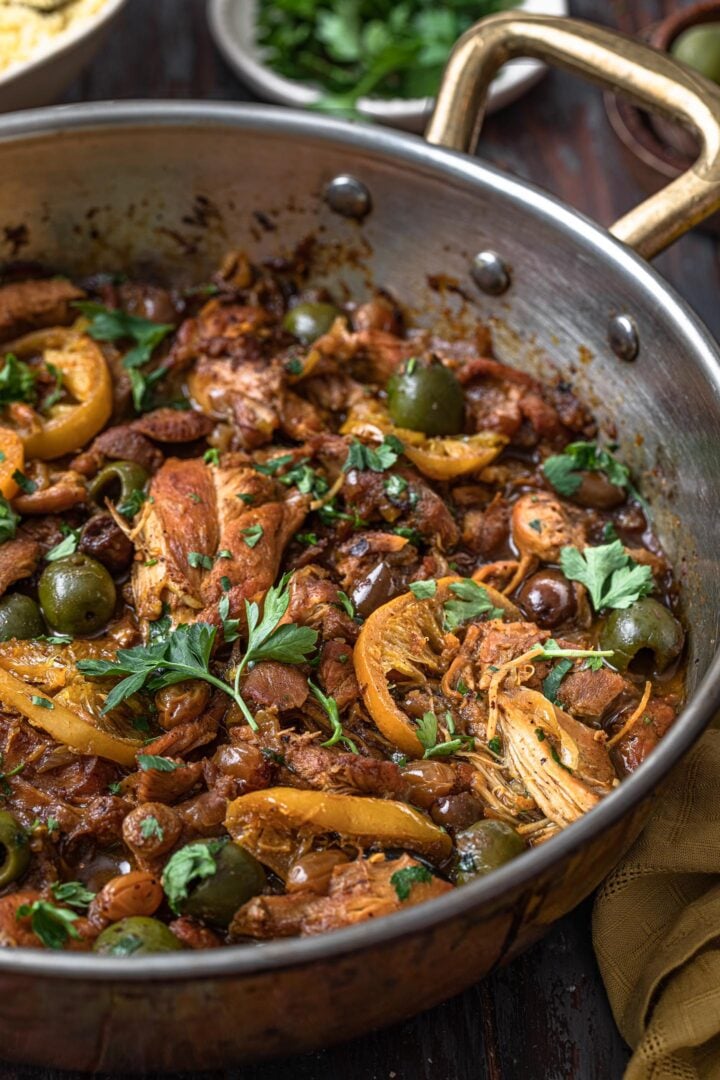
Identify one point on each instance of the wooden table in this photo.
(545, 1017)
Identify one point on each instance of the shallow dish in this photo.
(233, 27)
(41, 80)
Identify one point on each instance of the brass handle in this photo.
(650, 78)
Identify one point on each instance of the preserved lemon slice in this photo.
(12, 460)
(367, 821)
(404, 641)
(441, 458)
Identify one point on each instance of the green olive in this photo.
(20, 618)
(427, 398)
(646, 624)
(135, 936)
(77, 595)
(125, 478)
(14, 849)
(307, 322)
(699, 48)
(215, 899)
(484, 847)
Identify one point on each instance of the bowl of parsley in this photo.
(363, 59)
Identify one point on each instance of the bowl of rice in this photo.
(45, 44)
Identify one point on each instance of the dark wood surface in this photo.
(546, 1016)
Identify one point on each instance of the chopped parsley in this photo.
(423, 590)
(43, 702)
(212, 456)
(199, 561)
(562, 471)
(17, 381)
(472, 601)
(495, 746)
(134, 502)
(395, 486)
(107, 324)
(186, 867)
(150, 761)
(551, 683)
(427, 733)
(72, 893)
(53, 925)
(151, 829)
(252, 535)
(346, 603)
(24, 482)
(403, 880)
(9, 520)
(363, 457)
(67, 546)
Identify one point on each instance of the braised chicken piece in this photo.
(307, 614)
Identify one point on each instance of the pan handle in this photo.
(652, 79)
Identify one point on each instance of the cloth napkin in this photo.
(656, 929)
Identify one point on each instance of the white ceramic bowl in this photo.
(41, 80)
(232, 24)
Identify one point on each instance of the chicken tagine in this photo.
(306, 615)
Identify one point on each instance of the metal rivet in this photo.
(490, 273)
(348, 196)
(623, 337)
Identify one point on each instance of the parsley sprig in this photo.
(329, 704)
(185, 653)
(613, 579)
(427, 733)
(9, 520)
(17, 381)
(378, 459)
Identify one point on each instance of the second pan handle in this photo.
(651, 79)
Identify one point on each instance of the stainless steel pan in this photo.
(173, 186)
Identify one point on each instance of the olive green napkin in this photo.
(656, 929)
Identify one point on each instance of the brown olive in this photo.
(547, 598)
(427, 781)
(378, 314)
(105, 541)
(373, 590)
(312, 872)
(597, 492)
(457, 811)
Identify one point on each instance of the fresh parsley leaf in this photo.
(212, 456)
(9, 520)
(17, 381)
(72, 893)
(423, 590)
(156, 762)
(307, 538)
(67, 546)
(245, 497)
(395, 486)
(57, 391)
(594, 663)
(108, 324)
(427, 733)
(186, 867)
(198, 561)
(551, 683)
(363, 457)
(403, 880)
(473, 601)
(612, 578)
(562, 471)
(269, 468)
(24, 482)
(330, 707)
(132, 505)
(51, 924)
(412, 535)
(231, 627)
(43, 702)
(252, 535)
(495, 746)
(346, 603)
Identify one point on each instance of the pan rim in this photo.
(256, 959)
